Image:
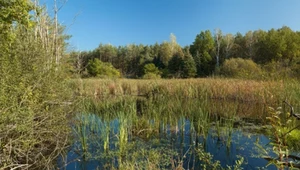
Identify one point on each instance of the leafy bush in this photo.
(151, 76)
(240, 68)
(151, 72)
(101, 69)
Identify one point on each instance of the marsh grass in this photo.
(130, 132)
(267, 92)
(136, 121)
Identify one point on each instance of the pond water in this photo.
(142, 134)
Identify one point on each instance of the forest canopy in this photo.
(272, 50)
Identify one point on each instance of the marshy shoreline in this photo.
(123, 123)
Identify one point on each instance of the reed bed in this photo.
(266, 92)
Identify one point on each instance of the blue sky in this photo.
(122, 22)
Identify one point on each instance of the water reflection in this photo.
(179, 141)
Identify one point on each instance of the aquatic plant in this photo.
(282, 128)
(209, 163)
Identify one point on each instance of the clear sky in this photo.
(122, 22)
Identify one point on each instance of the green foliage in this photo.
(283, 138)
(296, 69)
(240, 68)
(209, 163)
(14, 11)
(165, 53)
(277, 71)
(293, 139)
(182, 65)
(151, 72)
(263, 47)
(151, 68)
(189, 66)
(175, 65)
(202, 50)
(97, 68)
(34, 96)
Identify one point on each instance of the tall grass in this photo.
(267, 92)
(152, 120)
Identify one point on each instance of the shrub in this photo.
(151, 76)
(151, 71)
(276, 70)
(240, 68)
(101, 69)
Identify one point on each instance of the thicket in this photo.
(241, 68)
(33, 95)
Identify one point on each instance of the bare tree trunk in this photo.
(47, 30)
(218, 37)
(229, 39)
(55, 33)
(36, 17)
(249, 44)
(57, 45)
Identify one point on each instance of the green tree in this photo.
(133, 60)
(239, 46)
(175, 65)
(106, 53)
(14, 11)
(165, 53)
(168, 50)
(189, 66)
(260, 47)
(202, 51)
(291, 39)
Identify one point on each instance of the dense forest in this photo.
(266, 53)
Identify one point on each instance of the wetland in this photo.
(176, 124)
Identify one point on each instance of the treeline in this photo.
(276, 51)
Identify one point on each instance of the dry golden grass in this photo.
(213, 88)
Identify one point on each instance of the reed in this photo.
(267, 92)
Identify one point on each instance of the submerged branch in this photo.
(292, 110)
